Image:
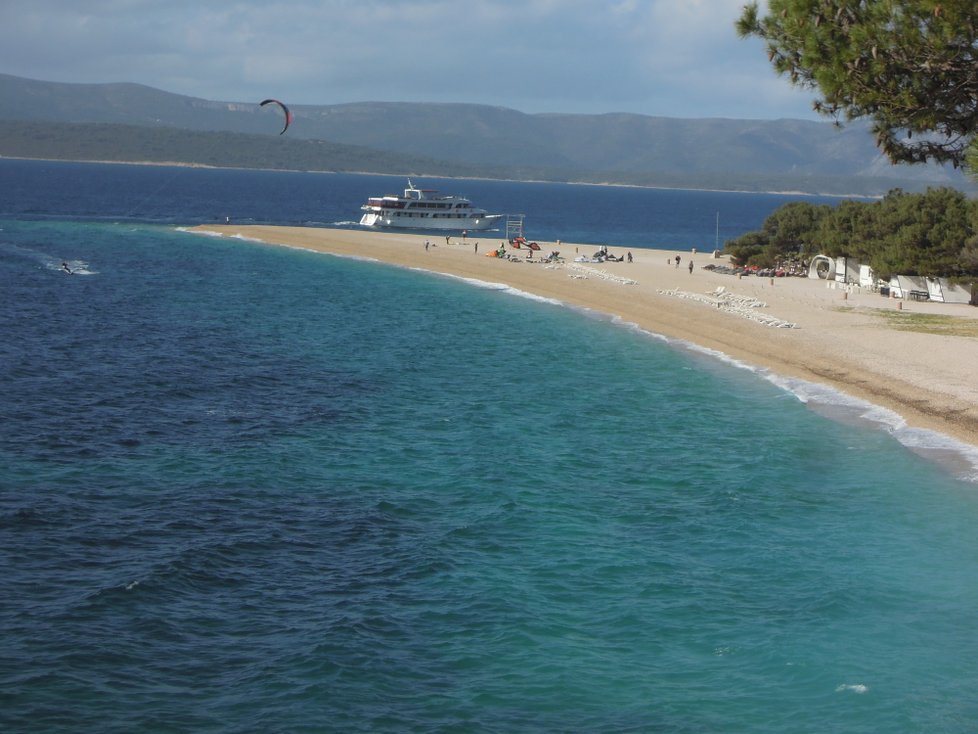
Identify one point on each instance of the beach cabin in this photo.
(919, 288)
(846, 270)
(840, 269)
(943, 291)
(822, 267)
(912, 287)
(867, 278)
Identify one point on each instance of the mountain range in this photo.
(126, 121)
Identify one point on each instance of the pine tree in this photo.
(910, 66)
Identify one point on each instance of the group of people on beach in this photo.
(679, 260)
(602, 255)
(448, 241)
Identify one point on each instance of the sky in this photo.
(670, 58)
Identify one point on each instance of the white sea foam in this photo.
(204, 232)
(489, 285)
(75, 267)
(960, 457)
(632, 326)
(50, 262)
(207, 233)
(833, 403)
(852, 687)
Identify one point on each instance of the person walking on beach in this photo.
(677, 260)
(690, 267)
(426, 245)
(629, 256)
(476, 248)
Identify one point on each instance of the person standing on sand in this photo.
(426, 245)
(629, 256)
(690, 267)
(476, 248)
(677, 260)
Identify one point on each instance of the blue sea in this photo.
(252, 489)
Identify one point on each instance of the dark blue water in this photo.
(256, 489)
(634, 217)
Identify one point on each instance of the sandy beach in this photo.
(915, 358)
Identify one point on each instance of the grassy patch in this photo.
(931, 323)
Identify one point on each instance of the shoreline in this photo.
(847, 340)
(185, 164)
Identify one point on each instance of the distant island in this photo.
(131, 122)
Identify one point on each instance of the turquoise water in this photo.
(255, 489)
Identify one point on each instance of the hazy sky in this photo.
(675, 58)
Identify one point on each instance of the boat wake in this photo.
(70, 267)
(48, 261)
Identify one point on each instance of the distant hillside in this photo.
(118, 143)
(474, 140)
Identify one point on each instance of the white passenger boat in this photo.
(424, 209)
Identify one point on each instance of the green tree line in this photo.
(931, 234)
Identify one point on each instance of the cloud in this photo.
(647, 56)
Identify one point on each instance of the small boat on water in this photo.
(425, 209)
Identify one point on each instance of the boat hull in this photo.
(393, 221)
